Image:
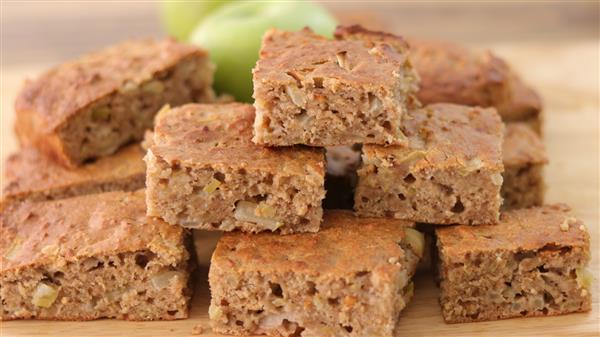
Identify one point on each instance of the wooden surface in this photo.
(566, 73)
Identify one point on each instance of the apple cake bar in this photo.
(90, 107)
(204, 172)
(89, 257)
(352, 278)
(33, 176)
(531, 264)
(315, 91)
(450, 172)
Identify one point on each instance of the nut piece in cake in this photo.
(451, 73)
(524, 157)
(352, 278)
(33, 176)
(319, 92)
(450, 172)
(205, 172)
(90, 107)
(89, 257)
(531, 264)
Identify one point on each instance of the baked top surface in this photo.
(522, 146)
(441, 63)
(221, 134)
(29, 171)
(447, 135)
(453, 73)
(285, 56)
(344, 246)
(64, 230)
(530, 229)
(370, 37)
(62, 91)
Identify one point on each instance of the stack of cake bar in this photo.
(394, 134)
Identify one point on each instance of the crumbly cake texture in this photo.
(352, 278)
(450, 173)
(531, 264)
(90, 107)
(319, 92)
(524, 157)
(89, 257)
(454, 74)
(204, 172)
(33, 176)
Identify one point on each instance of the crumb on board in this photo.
(198, 329)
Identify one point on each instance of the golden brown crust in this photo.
(450, 136)
(56, 232)
(31, 175)
(344, 245)
(451, 73)
(297, 51)
(522, 146)
(59, 93)
(531, 229)
(220, 134)
(370, 37)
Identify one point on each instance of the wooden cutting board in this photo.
(566, 75)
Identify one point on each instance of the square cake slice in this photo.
(451, 73)
(33, 176)
(450, 173)
(89, 257)
(524, 157)
(319, 92)
(204, 172)
(90, 107)
(531, 264)
(352, 278)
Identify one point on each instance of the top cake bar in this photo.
(319, 92)
(205, 172)
(90, 107)
(451, 73)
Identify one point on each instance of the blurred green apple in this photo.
(233, 34)
(181, 17)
